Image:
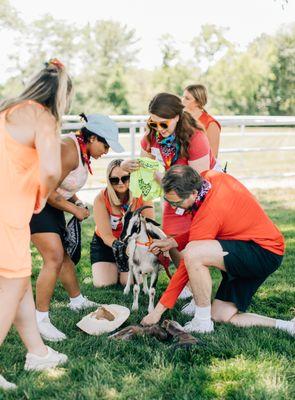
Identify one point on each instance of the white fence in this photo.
(135, 124)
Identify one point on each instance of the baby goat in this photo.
(138, 233)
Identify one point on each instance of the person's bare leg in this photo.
(26, 325)
(104, 274)
(50, 247)
(69, 278)
(198, 256)
(223, 311)
(11, 293)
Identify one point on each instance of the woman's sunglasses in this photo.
(157, 125)
(115, 180)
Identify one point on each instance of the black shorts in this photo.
(99, 251)
(247, 266)
(50, 219)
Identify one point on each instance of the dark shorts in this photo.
(247, 265)
(50, 219)
(99, 251)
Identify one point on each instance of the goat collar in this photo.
(146, 244)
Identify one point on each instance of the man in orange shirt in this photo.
(229, 231)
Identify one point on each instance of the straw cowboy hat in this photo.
(106, 318)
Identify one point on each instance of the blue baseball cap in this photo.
(105, 127)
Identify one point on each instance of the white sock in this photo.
(284, 325)
(77, 300)
(40, 315)
(203, 312)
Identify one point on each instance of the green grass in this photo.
(234, 363)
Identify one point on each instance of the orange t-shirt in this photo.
(116, 218)
(229, 212)
(206, 119)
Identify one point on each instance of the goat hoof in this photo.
(134, 307)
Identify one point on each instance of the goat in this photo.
(138, 233)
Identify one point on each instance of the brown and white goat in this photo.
(138, 233)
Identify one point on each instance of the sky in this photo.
(246, 19)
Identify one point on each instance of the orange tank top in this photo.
(207, 119)
(19, 176)
(116, 218)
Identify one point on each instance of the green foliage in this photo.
(101, 58)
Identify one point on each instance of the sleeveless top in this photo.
(20, 184)
(19, 176)
(116, 219)
(76, 178)
(207, 119)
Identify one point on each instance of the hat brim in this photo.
(93, 326)
(116, 146)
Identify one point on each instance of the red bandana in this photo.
(84, 154)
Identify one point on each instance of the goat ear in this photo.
(152, 221)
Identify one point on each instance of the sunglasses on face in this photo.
(115, 180)
(175, 203)
(156, 125)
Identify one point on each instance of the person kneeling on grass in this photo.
(229, 231)
(109, 208)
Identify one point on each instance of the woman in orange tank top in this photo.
(194, 99)
(109, 208)
(29, 170)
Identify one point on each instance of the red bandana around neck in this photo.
(84, 154)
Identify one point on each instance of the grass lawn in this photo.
(234, 363)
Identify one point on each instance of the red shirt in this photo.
(198, 148)
(206, 119)
(229, 212)
(116, 218)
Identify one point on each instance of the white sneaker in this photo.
(199, 326)
(4, 384)
(85, 303)
(185, 293)
(51, 360)
(49, 331)
(189, 308)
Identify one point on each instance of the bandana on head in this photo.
(169, 148)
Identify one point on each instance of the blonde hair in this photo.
(51, 87)
(110, 189)
(199, 93)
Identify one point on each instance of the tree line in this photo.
(101, 58)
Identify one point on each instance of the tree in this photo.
(210, 45)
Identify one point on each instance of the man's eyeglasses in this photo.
(115, 180)
(175, 203)
(157, 125)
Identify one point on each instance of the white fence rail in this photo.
(135, 124)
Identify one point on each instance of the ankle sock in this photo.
(77, 300)
(203, 313)
(283, 325)
(40, 315)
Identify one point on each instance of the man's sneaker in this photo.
(199, 326)
(189, 308)
(4, 384)
(85, 303)
(52, 359)
(185, 293)
(49, 331)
